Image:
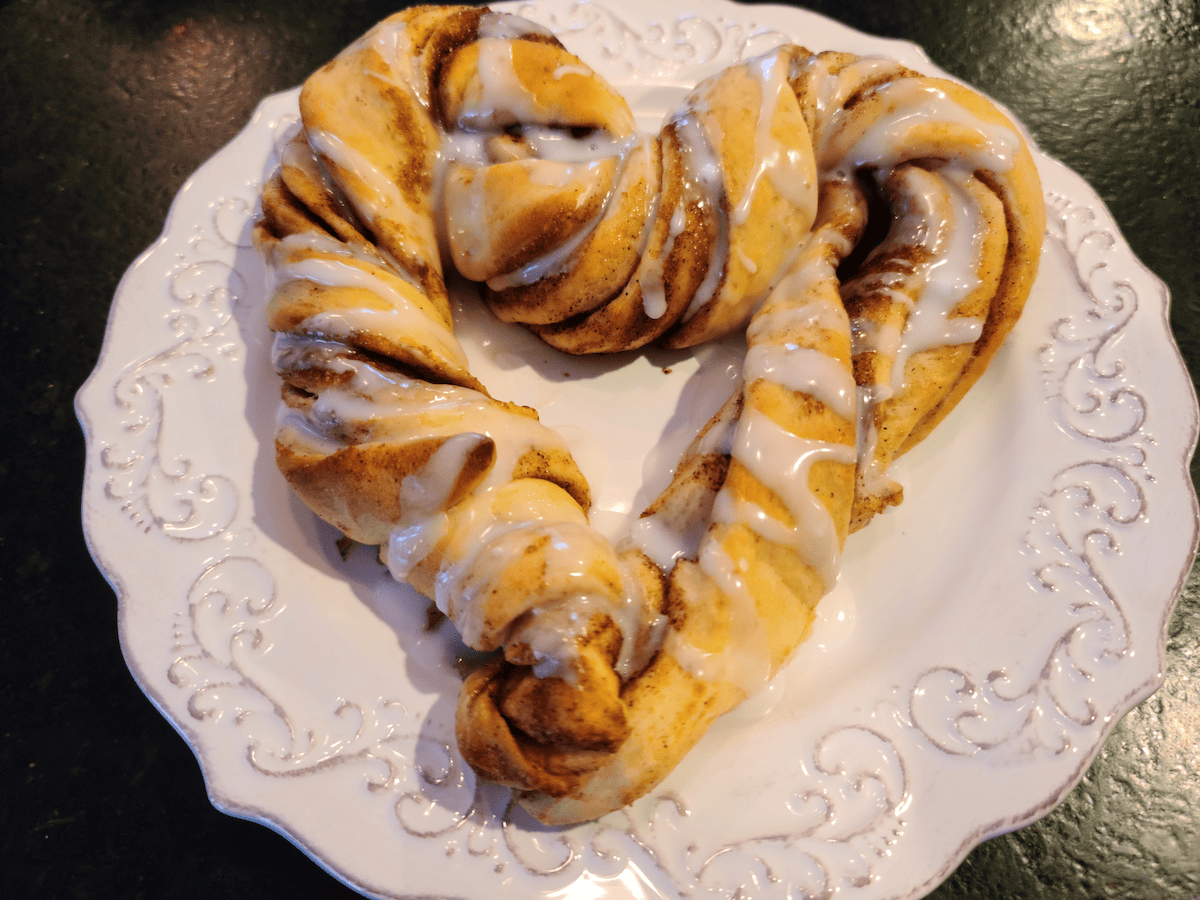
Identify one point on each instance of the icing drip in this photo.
(914, 103)
(401, 315)
(505, 26)
(664, 541)
(703, 186)
(785, 165)
(782, 462)
(943, 222)
(379, 203)
(806, 370)
(744, 662)
(654, 298)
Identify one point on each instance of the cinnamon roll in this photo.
(874, 234)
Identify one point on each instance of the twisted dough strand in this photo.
(459, 131)
(771, 483)
(386, 434)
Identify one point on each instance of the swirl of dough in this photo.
(459, 134)
(934, 299)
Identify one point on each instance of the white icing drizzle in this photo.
(554, 144)
(409, 545)
(486, 542)
(560, 257)
(780, 320)
(552, 629)
(703, 185)
(719, 438)
(393, 45)
(744, 661)
(667, 538)
(832, 92)
(465, 212)
(402, 318)
(426, 492)
(947, 280)
(297, 426)
(382, 201)
(395, 406)
(804, 369)
(883, 338)
(654, 297)
(664, 541)
(913, 102)
(872, 474)
(782, 462)
(506, 26)
(945, 222)
(582, 70)
(299, 154)
(501, 90)
(775, 457)
(785, 166)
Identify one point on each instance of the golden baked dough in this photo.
(462, 134)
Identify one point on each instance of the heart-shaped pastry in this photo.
(874, 234)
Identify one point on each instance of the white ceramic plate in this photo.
(983, 639)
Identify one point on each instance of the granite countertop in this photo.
(108, 107)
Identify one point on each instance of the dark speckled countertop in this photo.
(108, 107)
